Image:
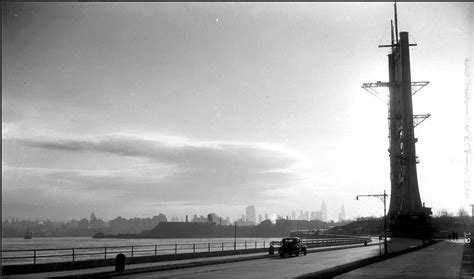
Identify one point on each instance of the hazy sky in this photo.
(133, 109)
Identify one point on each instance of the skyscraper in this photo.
(301, 216)
(324, 212)
(342, 214)
(315, 215)
(250, 214)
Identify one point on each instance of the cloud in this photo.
(175, 150)
(149, 172)
(169, 169)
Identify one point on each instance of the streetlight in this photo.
(383, 199)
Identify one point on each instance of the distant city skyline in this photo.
(129, 109)
(198, 218)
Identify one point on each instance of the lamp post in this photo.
(384, 200)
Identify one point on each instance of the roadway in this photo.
(268, 267)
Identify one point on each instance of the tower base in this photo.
(412, 226)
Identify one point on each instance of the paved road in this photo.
(269, 267)
(439, 260)
(164, 264)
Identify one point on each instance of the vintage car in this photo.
(291, 246)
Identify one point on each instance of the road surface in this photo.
(268, 267)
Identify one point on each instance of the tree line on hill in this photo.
(444, 223)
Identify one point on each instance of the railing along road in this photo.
(36, 256)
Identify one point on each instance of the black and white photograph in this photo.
(237, 140)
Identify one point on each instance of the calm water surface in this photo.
(79, 242)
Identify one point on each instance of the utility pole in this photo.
(384, 200)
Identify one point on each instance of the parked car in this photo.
(291, 246)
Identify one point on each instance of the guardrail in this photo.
(39, 256)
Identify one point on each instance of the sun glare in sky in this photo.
(136, 109)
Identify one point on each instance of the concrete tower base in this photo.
(413, 226)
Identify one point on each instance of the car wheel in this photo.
(297, 253)
(304, 253)
(282, 254)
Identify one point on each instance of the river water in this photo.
(81, 248)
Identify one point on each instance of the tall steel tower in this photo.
(407, 216)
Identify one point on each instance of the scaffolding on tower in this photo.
(407, 215)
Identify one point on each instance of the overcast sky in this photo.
(133, 109)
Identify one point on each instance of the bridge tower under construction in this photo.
(407, 215)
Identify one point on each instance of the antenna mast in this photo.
(392, 35)
(396, 21)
